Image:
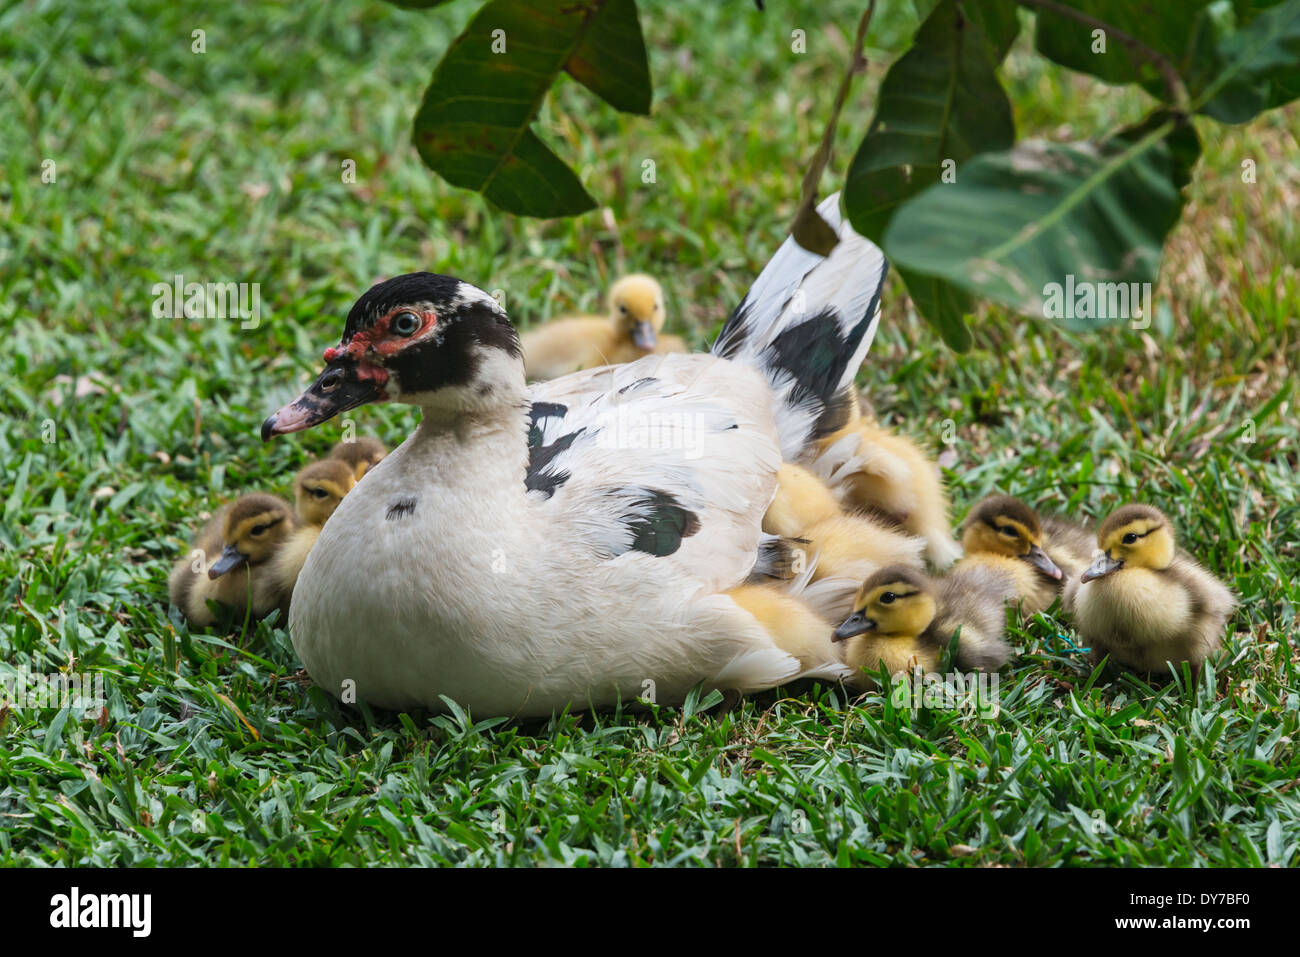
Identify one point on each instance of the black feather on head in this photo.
(384, 297)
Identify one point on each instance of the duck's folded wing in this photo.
(669, 462)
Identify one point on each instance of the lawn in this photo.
(121, 429)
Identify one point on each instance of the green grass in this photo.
(226, 166)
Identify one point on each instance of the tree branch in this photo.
(809, 230)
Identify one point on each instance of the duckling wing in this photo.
(670, 460)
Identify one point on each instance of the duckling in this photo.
(1004, 533)
(903, 620)
(318, 489)
(846, 546)
(873, 468)
(632, 330)
(362, 454)
(802, 499)
(794, 627)
(1144, 601)
(244, 535)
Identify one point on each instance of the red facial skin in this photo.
(376, 342)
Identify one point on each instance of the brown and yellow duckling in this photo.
(1144, 601)
(632, 329)
(1004, 533)
(318, 489)
(361, 454)
(231, 561)
(903, 619)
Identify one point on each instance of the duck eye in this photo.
(1130, 538)
(887, 598)
(320, 493)
(405, 323)
(623, 309)
(259, 529)
(1007, 530)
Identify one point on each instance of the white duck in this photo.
(572, 543)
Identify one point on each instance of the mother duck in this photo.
(571, 543)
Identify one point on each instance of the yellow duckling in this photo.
(845, 546)
(362, 454)
(632, 330)
(875, 469)
(903, 620)
(1004, 533)
(318, 489)
(1144, 601)
(794, 627)
(238, 542)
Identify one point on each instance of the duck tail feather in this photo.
(828, 671)
(806, 324)
(757, 669)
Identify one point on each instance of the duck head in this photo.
(361, 454)
(421, 339)
(320, 487)
(255, 526)
(636, 307)
(1135, 536)
(895, 602)
(1002, 525)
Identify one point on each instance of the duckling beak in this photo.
(644, 336)
(230, 558)
(856, 624)
(343, 385)
(1038, 558)
(1103, 565)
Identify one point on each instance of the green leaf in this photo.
(943, 305)
(1258, 67)
(940, 104)
(1019, 225)
(473, 127)
(1168, 28)
(940, 101)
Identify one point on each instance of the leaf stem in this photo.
(813, 175)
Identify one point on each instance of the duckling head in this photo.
(636, 307)
(1002, 525)
(895, 602)
(320, 487)
(361, 453)
(255, 526)
(421, 339)
(1135, 536)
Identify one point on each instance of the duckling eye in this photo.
(405, 323)
(319, 493)
(259, 529)
(1130, 538)
(1007, 530)
(887, 598)
(623, 309)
